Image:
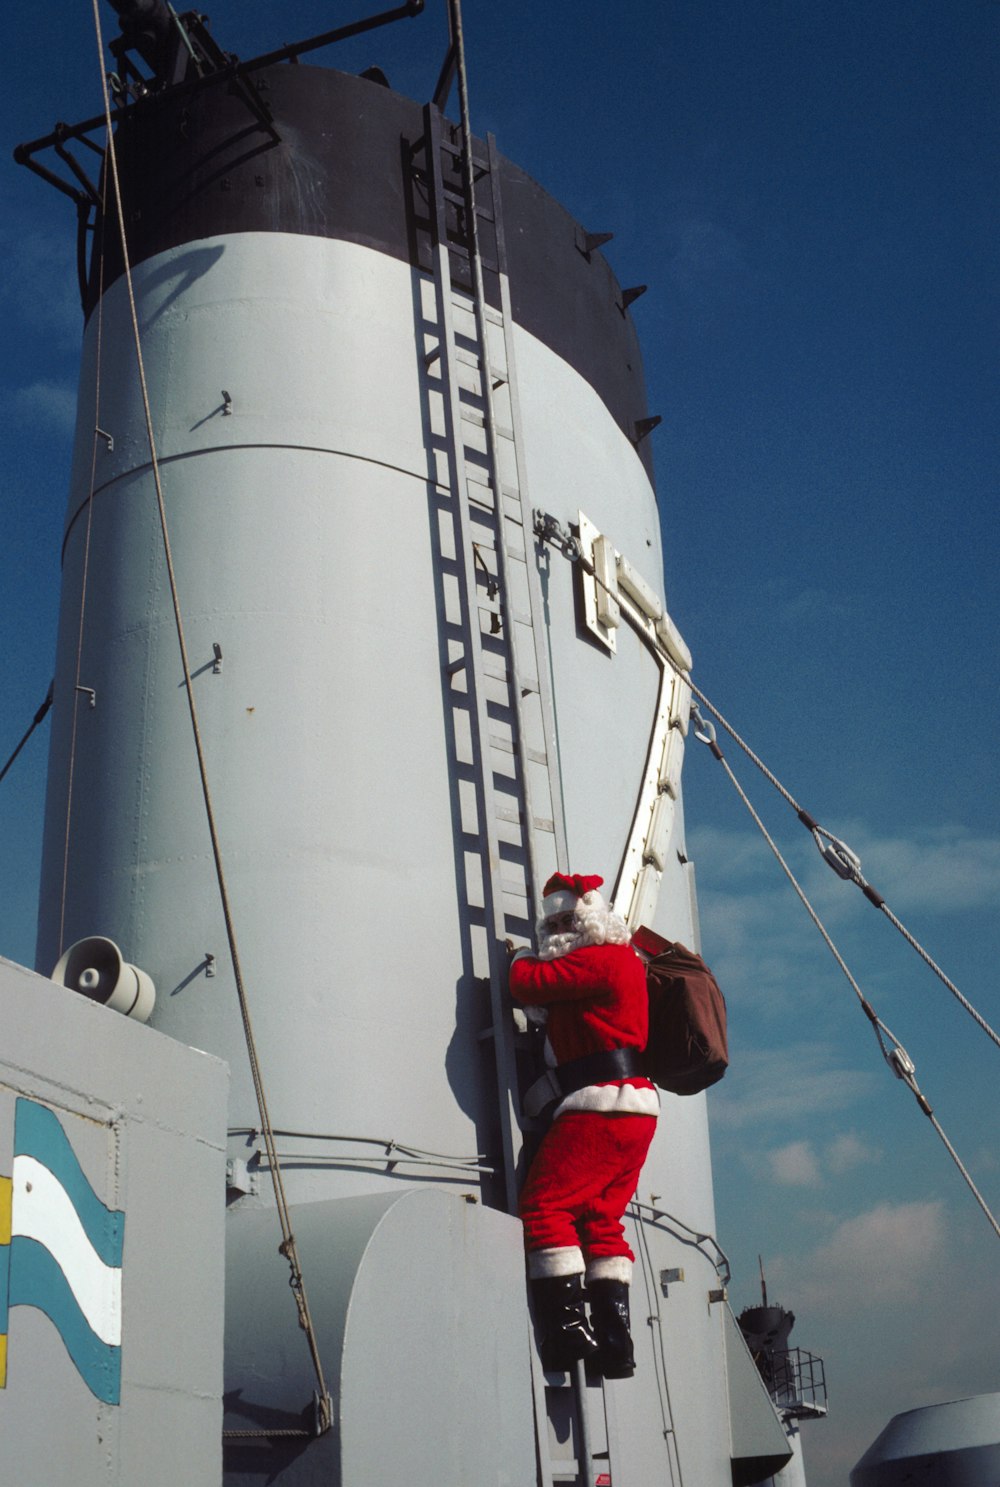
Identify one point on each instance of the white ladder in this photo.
(500, 685)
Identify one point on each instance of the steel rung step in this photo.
(457, 151)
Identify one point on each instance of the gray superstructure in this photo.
(415, 549)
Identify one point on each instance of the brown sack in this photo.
(687, 1049)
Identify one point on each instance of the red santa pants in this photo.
(584, 1173)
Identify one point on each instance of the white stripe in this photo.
(612, 1099)
(42, 1210)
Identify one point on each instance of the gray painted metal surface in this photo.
(420, 1309)
(145, 1119)
(950, 1445)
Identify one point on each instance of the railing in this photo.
(797, 1383)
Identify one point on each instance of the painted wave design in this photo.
(65, 1250)
(43, 1211)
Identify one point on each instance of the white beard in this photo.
(550, 947)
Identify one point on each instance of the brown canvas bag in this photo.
(687, 1049)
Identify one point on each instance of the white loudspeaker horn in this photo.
(94, 967)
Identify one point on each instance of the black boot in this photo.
(609, 1318)
(560, 1310)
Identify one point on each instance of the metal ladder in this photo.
(500, 694)
(500, 686)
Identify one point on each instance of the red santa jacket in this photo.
(596, 1000)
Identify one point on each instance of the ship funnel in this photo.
(95, 968)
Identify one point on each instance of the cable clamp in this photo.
(838, 855)
(549, 529)
(704, 731)
(901, 1063)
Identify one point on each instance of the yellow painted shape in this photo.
(3, 1360)
(6, 1185)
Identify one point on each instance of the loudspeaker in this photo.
(95, 968)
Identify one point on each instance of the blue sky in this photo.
(809, 190)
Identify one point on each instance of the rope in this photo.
(78, 689)
(897, 1058)
(288, 1246)
(36, 720)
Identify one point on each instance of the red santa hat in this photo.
(563, 892)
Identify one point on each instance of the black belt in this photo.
(597, 1068)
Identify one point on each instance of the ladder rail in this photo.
(536, 603)
(473, 664)
(492, 434)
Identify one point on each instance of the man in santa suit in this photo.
(592, 986)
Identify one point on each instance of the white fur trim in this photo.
(610, 1267)
(612, 1099)
(563, 901)
(567, 1260)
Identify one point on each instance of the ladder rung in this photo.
(468, 416)
(503, 813)
(457, 151)
(495, 670)
(541, 823)
(519, 618)
(502, 745)
(493, 316)
(537, 756)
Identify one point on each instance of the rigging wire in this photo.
(896, 1057)
(36, 720)
(78, 688)
(288, 1247)
(845, 863)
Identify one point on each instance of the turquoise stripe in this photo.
(36, 1280)
(4, 1281)
(39, 1134)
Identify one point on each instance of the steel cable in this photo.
(897, 1058)
(844, 862)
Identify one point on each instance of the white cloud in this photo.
(795, 1165)
(885, 1253)
(787, 1085)
(50, 406)
(848, 1151)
